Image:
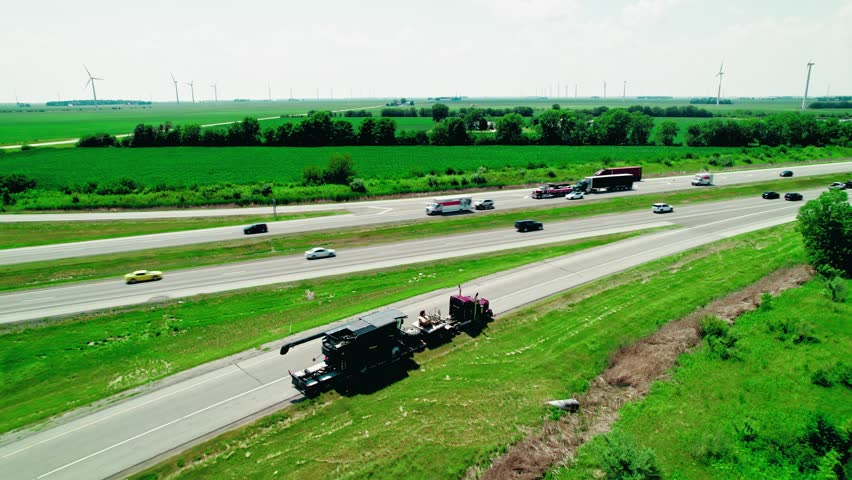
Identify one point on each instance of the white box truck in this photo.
(440, 206)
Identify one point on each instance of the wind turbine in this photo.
(807, 83)
(624, 92)
(177, 95)
(92, 81)
(604, 89)
(719, 92)
(191, 89)
(215, 91)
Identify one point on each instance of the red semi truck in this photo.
(635, 171)
(552, 190)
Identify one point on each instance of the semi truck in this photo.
(382, 339)
(609, 183)
(635, 171)
(440, 206)
(702, 179)
(552, 190)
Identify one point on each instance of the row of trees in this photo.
(772, 130)
(553, 127)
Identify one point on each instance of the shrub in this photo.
(623, 458)
(432, 181)
(793, 330)
(358, 185)
(341, 169)
(478, 179)
(836, 288)
(312, 175)
(98, 140)
(16, 183)
(717, 334)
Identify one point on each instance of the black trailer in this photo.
(609, 183)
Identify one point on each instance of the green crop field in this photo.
(758, 413)
(184, 176)
(54, 168)
(39, 124)
(467, 400)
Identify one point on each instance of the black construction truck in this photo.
(610, 183)
(381, 339)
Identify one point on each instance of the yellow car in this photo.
(143, 276)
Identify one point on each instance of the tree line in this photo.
(631, 126)
(772, 130)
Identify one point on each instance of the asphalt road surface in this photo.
(362, 213)
(189, 407)
(39, 303)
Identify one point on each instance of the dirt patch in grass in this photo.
(632, 370)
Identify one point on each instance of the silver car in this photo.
(319, 252)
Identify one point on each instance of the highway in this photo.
(32, 304)
(361, 213)
(188, 407)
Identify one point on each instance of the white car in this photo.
(574, 196)
(837, 186)
(661, 208)
(319, 252)
(484, 204)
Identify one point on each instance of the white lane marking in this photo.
(596, 267)
(189, 415)
(232, 273)
(36, 299)
(163, 397)
(383, 210)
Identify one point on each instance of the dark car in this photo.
(527, 225)
(256, 228)
(792, 196)
(787, 173)
(770, 195)
(848, 183)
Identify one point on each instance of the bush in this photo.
(478, 179)
(836, 288)
(623, 458)
(312, 175)
(432, 181)
(16, 183)
(717, 334)
(341, 169)
(358, 185)
(98, 140)
(792, 330)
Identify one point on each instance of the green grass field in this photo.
(28, 234)
(54, 367)
(749, 416)
(469, 399)
(55, 272)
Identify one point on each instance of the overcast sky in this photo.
(419, 48)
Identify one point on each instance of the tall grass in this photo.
(752, 416)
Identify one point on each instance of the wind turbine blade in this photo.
(173, 77)
(87, 71)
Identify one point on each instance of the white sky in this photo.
(423, 48)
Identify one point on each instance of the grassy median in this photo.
(54, 272)
(470, 398)
(30, 234)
